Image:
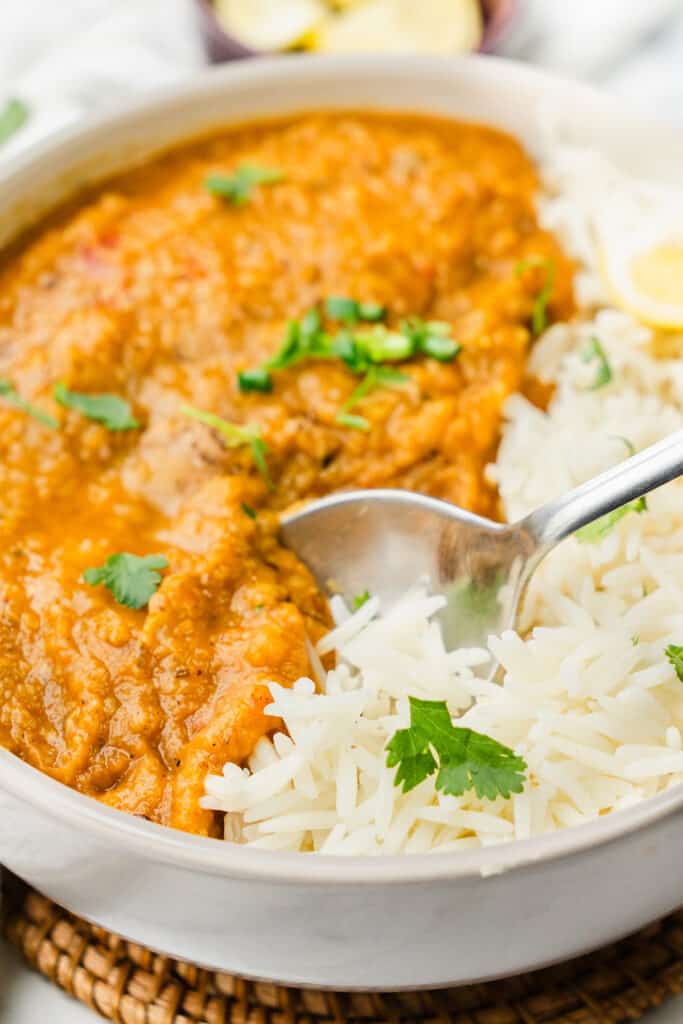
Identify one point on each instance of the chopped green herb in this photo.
(304, 339)
(431, 338)
(466, 759)
(9, 393)
(539, 312)
(630, 447)
(130, 578)
(110, 410)
(594, 532)
(675, 655)
(338, 308)
(235, 436)
(248, 510)
(371, 312)
(255, 380)
(350, 311)
(360, 599)
(635, 640)
(380, 345)
(347, 419)
(376, 377)
(591, 352)
(13, 116)
(237, 187)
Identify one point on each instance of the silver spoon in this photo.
(385, 541)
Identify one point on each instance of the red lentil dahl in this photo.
(158, 291)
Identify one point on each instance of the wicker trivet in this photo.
(130, 985)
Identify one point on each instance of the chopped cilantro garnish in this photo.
(594, 532)
(463, 758)
(630, 447)
(376, 377)
(13, 116)
(248, 510)
(591, 352)
(9, 393)
(235, 436)
(360, 599)
(635, 640)
(110, 410)
(255, 380)
(237, 187)
(539, 312)
(365, 351)
(380, 345)
(675, 655)
(350, 311)
(348, 419)
(431, 338)
(131, 579)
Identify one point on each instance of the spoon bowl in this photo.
(386, 541)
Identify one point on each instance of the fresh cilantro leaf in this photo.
(591, 352)
(235, 436)
(130, 578)
(110, 410)
(675, 655)
(360, 599)
(349, 311)
(258, 379)
(13, 116)
(431, 338)
(466, 759)
(594, 532)
(539, 312)
(237, 187)
(248, 510)
(9, 393)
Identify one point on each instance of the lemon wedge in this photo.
(398, 26)
(640, 244)
(270, 25)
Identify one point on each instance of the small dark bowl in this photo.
(221, 45)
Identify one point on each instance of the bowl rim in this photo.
(182, 850)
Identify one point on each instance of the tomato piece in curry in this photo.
(158, 291)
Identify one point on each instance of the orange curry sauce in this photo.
(158, 291)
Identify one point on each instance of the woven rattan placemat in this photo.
(128, 984)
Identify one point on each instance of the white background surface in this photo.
(69, 58)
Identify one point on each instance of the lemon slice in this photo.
(270, 25)
(397, 26)
(640, 242)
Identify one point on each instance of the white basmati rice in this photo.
(588, 697)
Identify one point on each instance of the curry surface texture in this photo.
(158, 291)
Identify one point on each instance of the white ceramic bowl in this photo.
(383, 923)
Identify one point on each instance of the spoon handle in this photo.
(638, 475)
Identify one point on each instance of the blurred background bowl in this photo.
(221, 45)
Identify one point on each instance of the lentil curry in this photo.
(126, 430)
